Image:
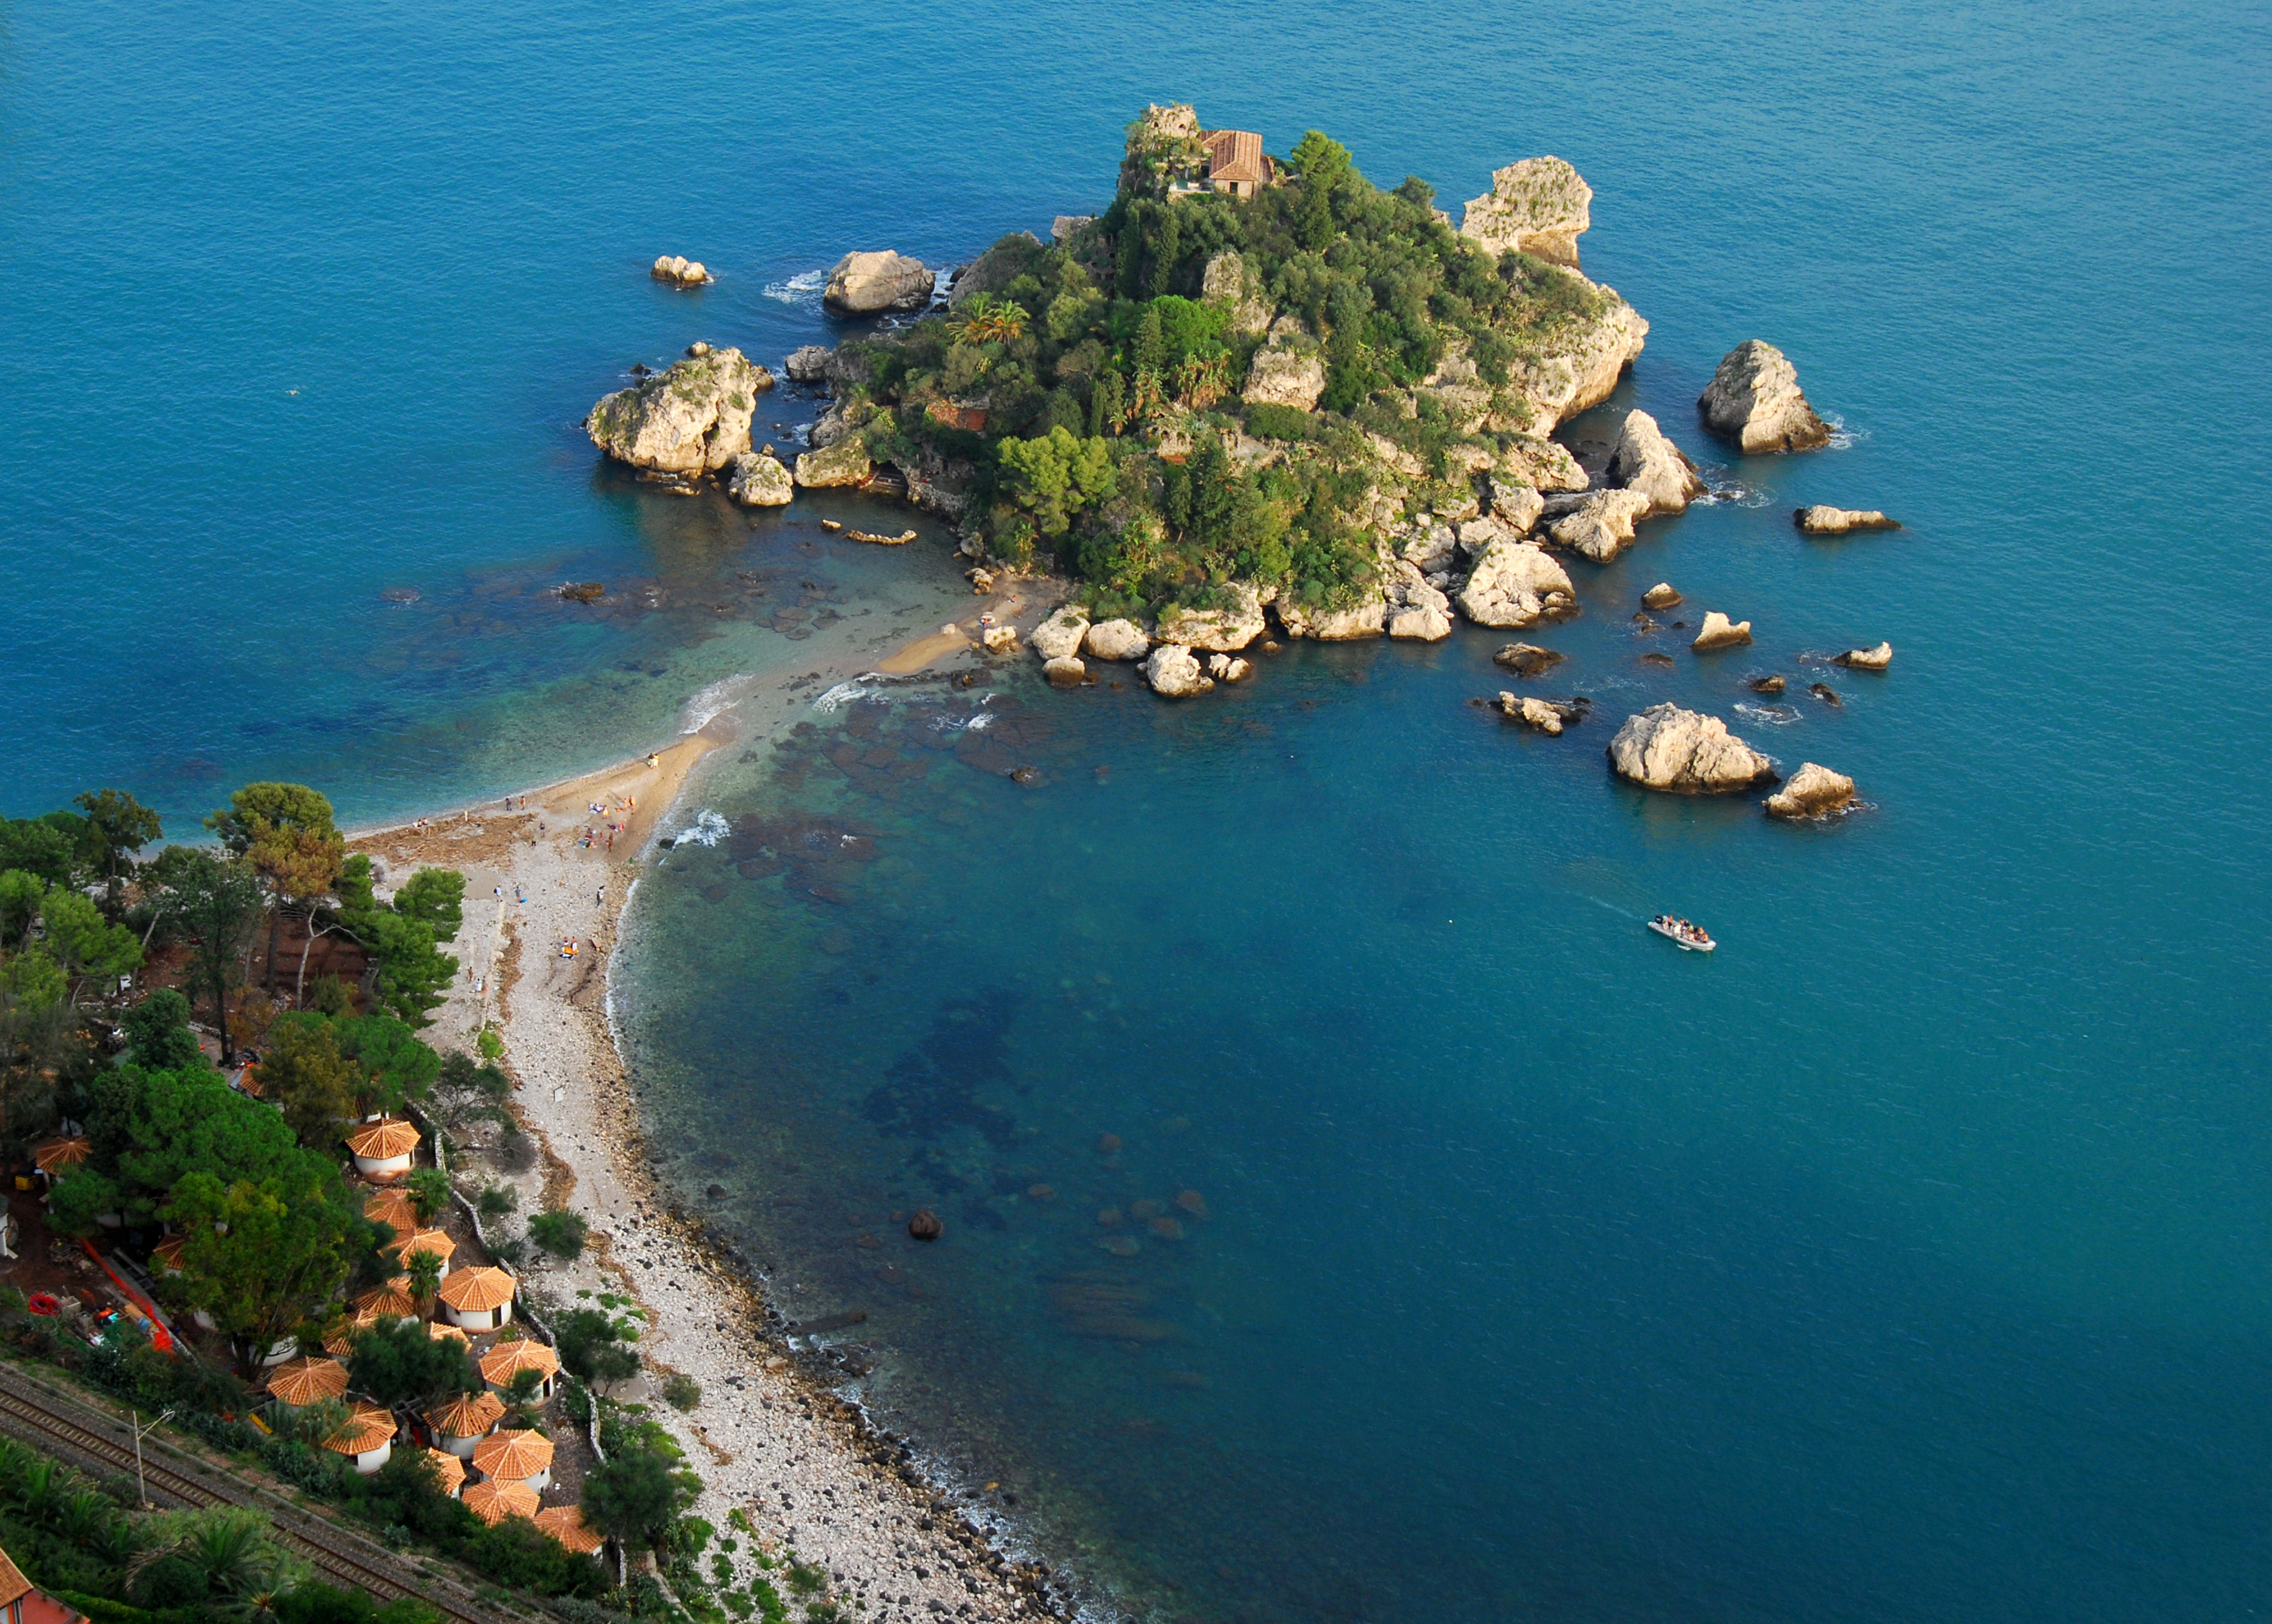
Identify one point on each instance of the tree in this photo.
(636, 1494)
(593, 1347)
(118, 826)
(304, 1072)
(560, 1232)
(217, 899)
(259, 1258)
(83, 944)
(286, 832)
(397, 1068)
(222, 1561)
(48, 846)
(430, 1192)
(1057, 475)
(436, 896)
(399, 1363)
(146, 1130)
(408, 972)
(158, 1036)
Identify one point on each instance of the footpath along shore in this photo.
(768, 1437)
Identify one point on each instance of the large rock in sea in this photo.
(1719, 632)
(1813, 792)
(1366, 617)
(844, 463)
(1060, 637)
(1822, 519)
(1115, 640)
(863, 283)
(1538, 207)
(1215, 631)
(1753, 400)
(1175, 674)
(1601, 527)
(1678, 751)
(1644, 459)
(692, 418)
(1282, 375)
(808, 364)
(758, 481)
(1867, 659)
(1516, 584)
(1064, 672)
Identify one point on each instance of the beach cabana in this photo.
(383, 1149)
(479, 1299)
(449, 1471)
(304, 1381)
(403, 1247)
(367, 1439)
(166, 1256)
(392, 1208)
(515, 1457)
(58, 1156)
(448, 1333)
(391, 1301)
(463, 1422)
(567, 1524)
(501, 1363)
(494, 1502)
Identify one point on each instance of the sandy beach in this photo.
(770, 1438)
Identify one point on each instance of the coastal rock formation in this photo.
(844, 463)
(1515, 503)
(1813, 792)
(1064, 672)
(1825, 520)
(680, 272)
(1223, 630)
(1542, 465)
(1417, 612)
(1601, 525)
(996, 268)
(863, 283)
(1660, 597)
(808, 364)
(1583, 371)
(1227, 282)
(1868, 659)
(1772, 684)
(999, 640)
(1174, 674)
(758, 481)
(1060, 637)
(1528, 659)
(1282, 375)
(1431, 546)
(692, 418)
(1367, 618)
(1516, 584)
(1064, 227)
(1720, 633)
(1115, 640)
(1753, 400)
(1228, 668)
(1544, 715)
(1668, 748)
(1644, 459)
(1538, 207)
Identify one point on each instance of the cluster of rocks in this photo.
(1824, 520)
(680, 272)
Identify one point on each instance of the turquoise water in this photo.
(1907, 1260)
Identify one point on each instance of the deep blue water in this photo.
(1906, 1261)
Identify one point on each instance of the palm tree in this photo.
(424, 1269)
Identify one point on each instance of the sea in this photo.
(1350, 1212)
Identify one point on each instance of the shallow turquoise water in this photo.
(1906, 1261)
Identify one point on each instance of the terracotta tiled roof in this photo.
(1234, 155)
(449, 1469)
(391, 1301)
(421, 1240)
(501, 1363)
(469, 1415)
(392, 1208)
(167, 1254)
(512, 1456)
(368, 1428)
(440, 1332)
(476, 1291)
(566, 1523)
(384, 1140)
(493, 1503)
(304, 1380)
(13, 1585)
(58, 1153)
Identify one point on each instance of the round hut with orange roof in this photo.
(460, 1425)
(479, 1299)
(501, 1363)
(382, 1149)
(493, 1503)
(307, 1380)
(367, 1437)
(567, 1524)
(523, 1456)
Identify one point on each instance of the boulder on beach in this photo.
(1660, 597)
(1220, 630)
(1539, 207)
(1528, 659)
(1115, 640)
(1644, 459)
(1516, 584)
(865, 282)
(1601, 525)
(680, 270)
(1060, 637)
(755, 480)
(844, 463)
(999, 640)
(808, 364)
(1064, 672)
(1682, 752)
(1175, 674)
(1228, 668)
(1720, 633)
(1867, 659)
(1284, 375)
(692, 418)
(1822, 519)
(1753, 400)
(1813, 792)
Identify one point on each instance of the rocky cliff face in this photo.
(1579, 372)
(863, 283)
(1678, 751)
(1282, 375)
(1601, 525)
(693, 418)
(1538, 207)
(1644, 459)
(1215, 631)
(1754, 399)
(1514, 585)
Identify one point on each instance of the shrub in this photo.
(559, 1232)
(681, 1391)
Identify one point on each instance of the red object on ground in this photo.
(161, 1336)
(43, 1302)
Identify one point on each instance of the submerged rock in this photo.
(1680, 752)
(1515, 585)
(1064, 672)
(1813, 792)
(1868, 659)
(692, 418)
(755, 480)
(1754, 399)
(1060, 637)
(1720, 633)
(1539, 207)
(1767, 685)
(864, 283)
(925, 1225)
(1115, 640)
(1644, 459)
(1174, 674)
(1827, 695)
(1825, 520)
(1601, 525)
(844, 463)
(1660, 597)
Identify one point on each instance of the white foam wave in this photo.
(843, 695)
(710, 701)
(1842, 437)
(805, 288)
(1774, 716)
(707, 829)
(980, 722)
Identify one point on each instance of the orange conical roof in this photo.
(385, 1139)
(367, 1428)
(304, 1380)
(493, 1503)
(567, 1524)
(513, 1455)
(469, 1415)
(501, 1363)
(476, 1291)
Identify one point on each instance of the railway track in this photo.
(37, 1419)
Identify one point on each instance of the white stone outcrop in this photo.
(1867, 659)
(1229, 281)
(1221, 631)
(1678, 751)
(1542, 465)
(808, 364)
(1539, 714)
(1060, 637)
(1753, 400)
(1644, 459)
(1064, 672)
(1414, 610)
(865, 282)
(1516, 584)
(1822, 519)
(1228, 668)
(755, 480)
(1367, 618)
(1175, 674)
(692, 417)
(1517, 504)
(1540, 206)
(844, 463)
(1580, 370)
(1719, 632)
(680, 272)
(1662, 595)
(1813, 792)
(1283, 374)
(1115, 640)
(1431, 546)
(1601, 525)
